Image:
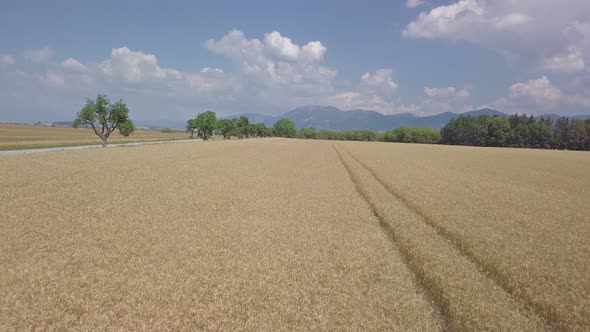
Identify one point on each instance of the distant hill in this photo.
(332, 118)
(62, 123)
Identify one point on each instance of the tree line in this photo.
(401, 134)
(206, 125)
(518, 131)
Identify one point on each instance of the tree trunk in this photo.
(104, 142)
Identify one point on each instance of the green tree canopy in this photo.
(308, 133)
(104, 118)
(285, 128)
(191, 126)
(260, 130)
(226, 128)
(206, 123)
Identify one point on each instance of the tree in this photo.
(543, 135)
(466, 130)
(285, 128)
(329, 134)
(308, 133)
(260, 130)
(206, 123)
(498, 131)
(577, 135)
(413, 135)
(243, 126)
(191, 126)
(226, 128)
(104, 118)
(562, 133)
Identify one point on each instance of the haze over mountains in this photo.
(332, 118)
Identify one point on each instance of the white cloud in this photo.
(280, 47)
(447, 92)
(39, 56)
(7, 59)
(381, 81)
(572, 61)
(539, 91)
(211, 70)
(536, 94)
(414, 3)
(462, 20)
(73, 64)
(538, 34)
(135, 66)
(277, 60)
(375, 91)
(313, 51)
(53, 79)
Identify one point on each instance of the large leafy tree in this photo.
(226, 128)
(206, 123)
(308, 133)
(243, 126)
(285, 128)
(260, 130)
(191, 126)
(104, 118)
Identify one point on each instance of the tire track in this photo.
(385, 227)
(469, 299)
(490, 270)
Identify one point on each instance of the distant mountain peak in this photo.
(332, 118)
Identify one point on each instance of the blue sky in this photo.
(173, 60)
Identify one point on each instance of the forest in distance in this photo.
(517, 131)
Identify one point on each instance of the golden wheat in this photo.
(277, 234)
(30, 136)
(261, 234)
(521, 215)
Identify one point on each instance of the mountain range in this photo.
(332, 118)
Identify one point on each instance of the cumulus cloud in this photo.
(414, 3)
(551, 37)
(539, 90)
(462, 20)
(539, 93)
(53, 79)
(276, 60)
(211, 70)
(39, 56)
(381, 81)
(375, 91)
(73, 64)
(7, 59)
(135, 66)
(447, 92)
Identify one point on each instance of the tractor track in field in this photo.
(453, 242)
(389, 232)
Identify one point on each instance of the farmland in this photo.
(22, 136)
(279, 234)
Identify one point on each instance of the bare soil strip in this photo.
(469, 298)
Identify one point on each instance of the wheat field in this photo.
(24, 136)
(278, 234)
